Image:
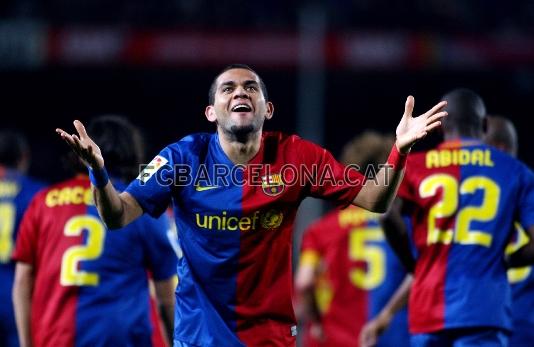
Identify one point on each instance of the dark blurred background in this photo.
(333, 69)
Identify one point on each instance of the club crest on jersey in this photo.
(272, 185)
(272, 219)
(152, 168)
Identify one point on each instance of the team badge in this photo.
(272, 185)
(272, 219)
(152, 168)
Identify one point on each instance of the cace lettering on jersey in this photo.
(448, 157)
(76, 195)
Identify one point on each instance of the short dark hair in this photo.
(466, 111)
(213, 87)
(120, 142)
(13, 147)
(501, 133)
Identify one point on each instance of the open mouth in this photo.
(241, 108)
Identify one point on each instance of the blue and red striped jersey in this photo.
(464, 198)
(235, 225)
(91, 284)
(16, 191)
(358, 273)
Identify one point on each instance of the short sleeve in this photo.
(331, 180)
(160, 256)
(153, 187)
(28, 233)
(526, 198)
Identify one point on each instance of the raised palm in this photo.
(86, 149)
(411, 129)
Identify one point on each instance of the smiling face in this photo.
(239, 106)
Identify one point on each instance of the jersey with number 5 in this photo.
(357, 274)
(464, 197)
(91, 285)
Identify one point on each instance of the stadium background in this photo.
(333, 69)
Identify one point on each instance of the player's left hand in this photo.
(411, 129)
(317, 332)
(371, 331)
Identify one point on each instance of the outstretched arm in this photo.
(375, 327)
(377, 194)
(116, 210)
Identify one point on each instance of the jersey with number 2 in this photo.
(91, 285)
(464, 197)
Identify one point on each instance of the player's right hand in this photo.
(86, 149)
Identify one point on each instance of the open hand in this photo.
(411, 129)
(83, 146)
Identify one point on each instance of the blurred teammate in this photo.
(463, 198)
(501, 133)
(16, 191)
(78, 284)
(347, 271)
(235, 209)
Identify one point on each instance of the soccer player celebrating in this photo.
(347, 271)
(463, 197)
(16, 191)
(235, 216)
(76, 283)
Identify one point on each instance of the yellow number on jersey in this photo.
(7, 227)
(373, 255)
(521, 273)
(448, 206)
(70, 274)
(445, 208)
(483, 213)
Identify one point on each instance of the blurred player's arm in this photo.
(22, 301)
(397, 235)
(165, 298)
(375, 327)
(524, 256)
(378, 194)
(308, 309)
(116, 210)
